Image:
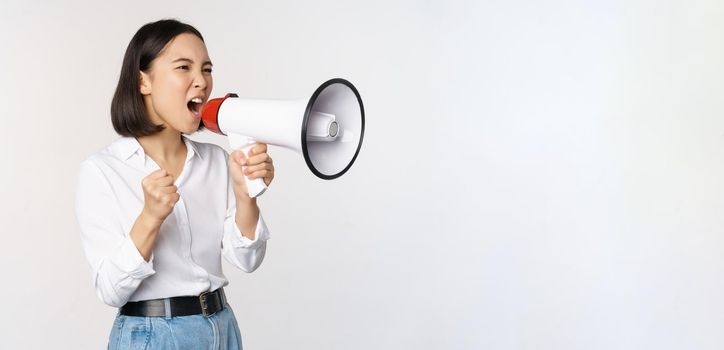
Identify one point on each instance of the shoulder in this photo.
(114, 153)
(92, 171)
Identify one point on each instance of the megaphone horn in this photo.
(327, 129)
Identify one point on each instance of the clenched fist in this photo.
(159, 194)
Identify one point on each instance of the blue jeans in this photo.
(196, 332)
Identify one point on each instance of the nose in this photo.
(199, 81)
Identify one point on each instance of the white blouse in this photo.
(186, 259)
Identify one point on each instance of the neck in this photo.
(163, 146)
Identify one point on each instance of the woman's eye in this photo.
(183, 67)
(207, 70)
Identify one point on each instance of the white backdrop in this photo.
(535, 175)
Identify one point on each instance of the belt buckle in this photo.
(204, 306)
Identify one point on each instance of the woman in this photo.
(157, 210)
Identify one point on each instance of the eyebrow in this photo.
(183, 59)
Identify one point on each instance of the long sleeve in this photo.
(117, 266)
(240, 251)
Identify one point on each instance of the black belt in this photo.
(207, 304)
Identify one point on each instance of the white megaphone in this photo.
(327, 128)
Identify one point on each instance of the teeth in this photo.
(196, 100)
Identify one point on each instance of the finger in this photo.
(253, 168)
(171, 199)
(260, 174)
(258, 159)
(238, 157)
(235, 153)
(168, 189)
(155, 179)
(158, 174)
(164, 181)
(257, 149)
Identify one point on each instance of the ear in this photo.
(144, 84)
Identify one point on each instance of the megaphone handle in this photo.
(255, 187)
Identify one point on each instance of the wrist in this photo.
(241, 194)
(244, 200)
(148, 221)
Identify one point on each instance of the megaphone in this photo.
(327, 128)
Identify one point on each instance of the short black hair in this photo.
(128, 111)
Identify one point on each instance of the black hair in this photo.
(128, 111)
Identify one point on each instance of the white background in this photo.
(535, 174)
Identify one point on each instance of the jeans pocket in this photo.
(139, 339)
(134, 333)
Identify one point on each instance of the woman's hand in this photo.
(257, 164)
(159, 195)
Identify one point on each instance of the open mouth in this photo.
(195, 106)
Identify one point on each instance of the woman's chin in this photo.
(190, 128)
(189, 131)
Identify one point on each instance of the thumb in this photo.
(158, 174)
(240, 157)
